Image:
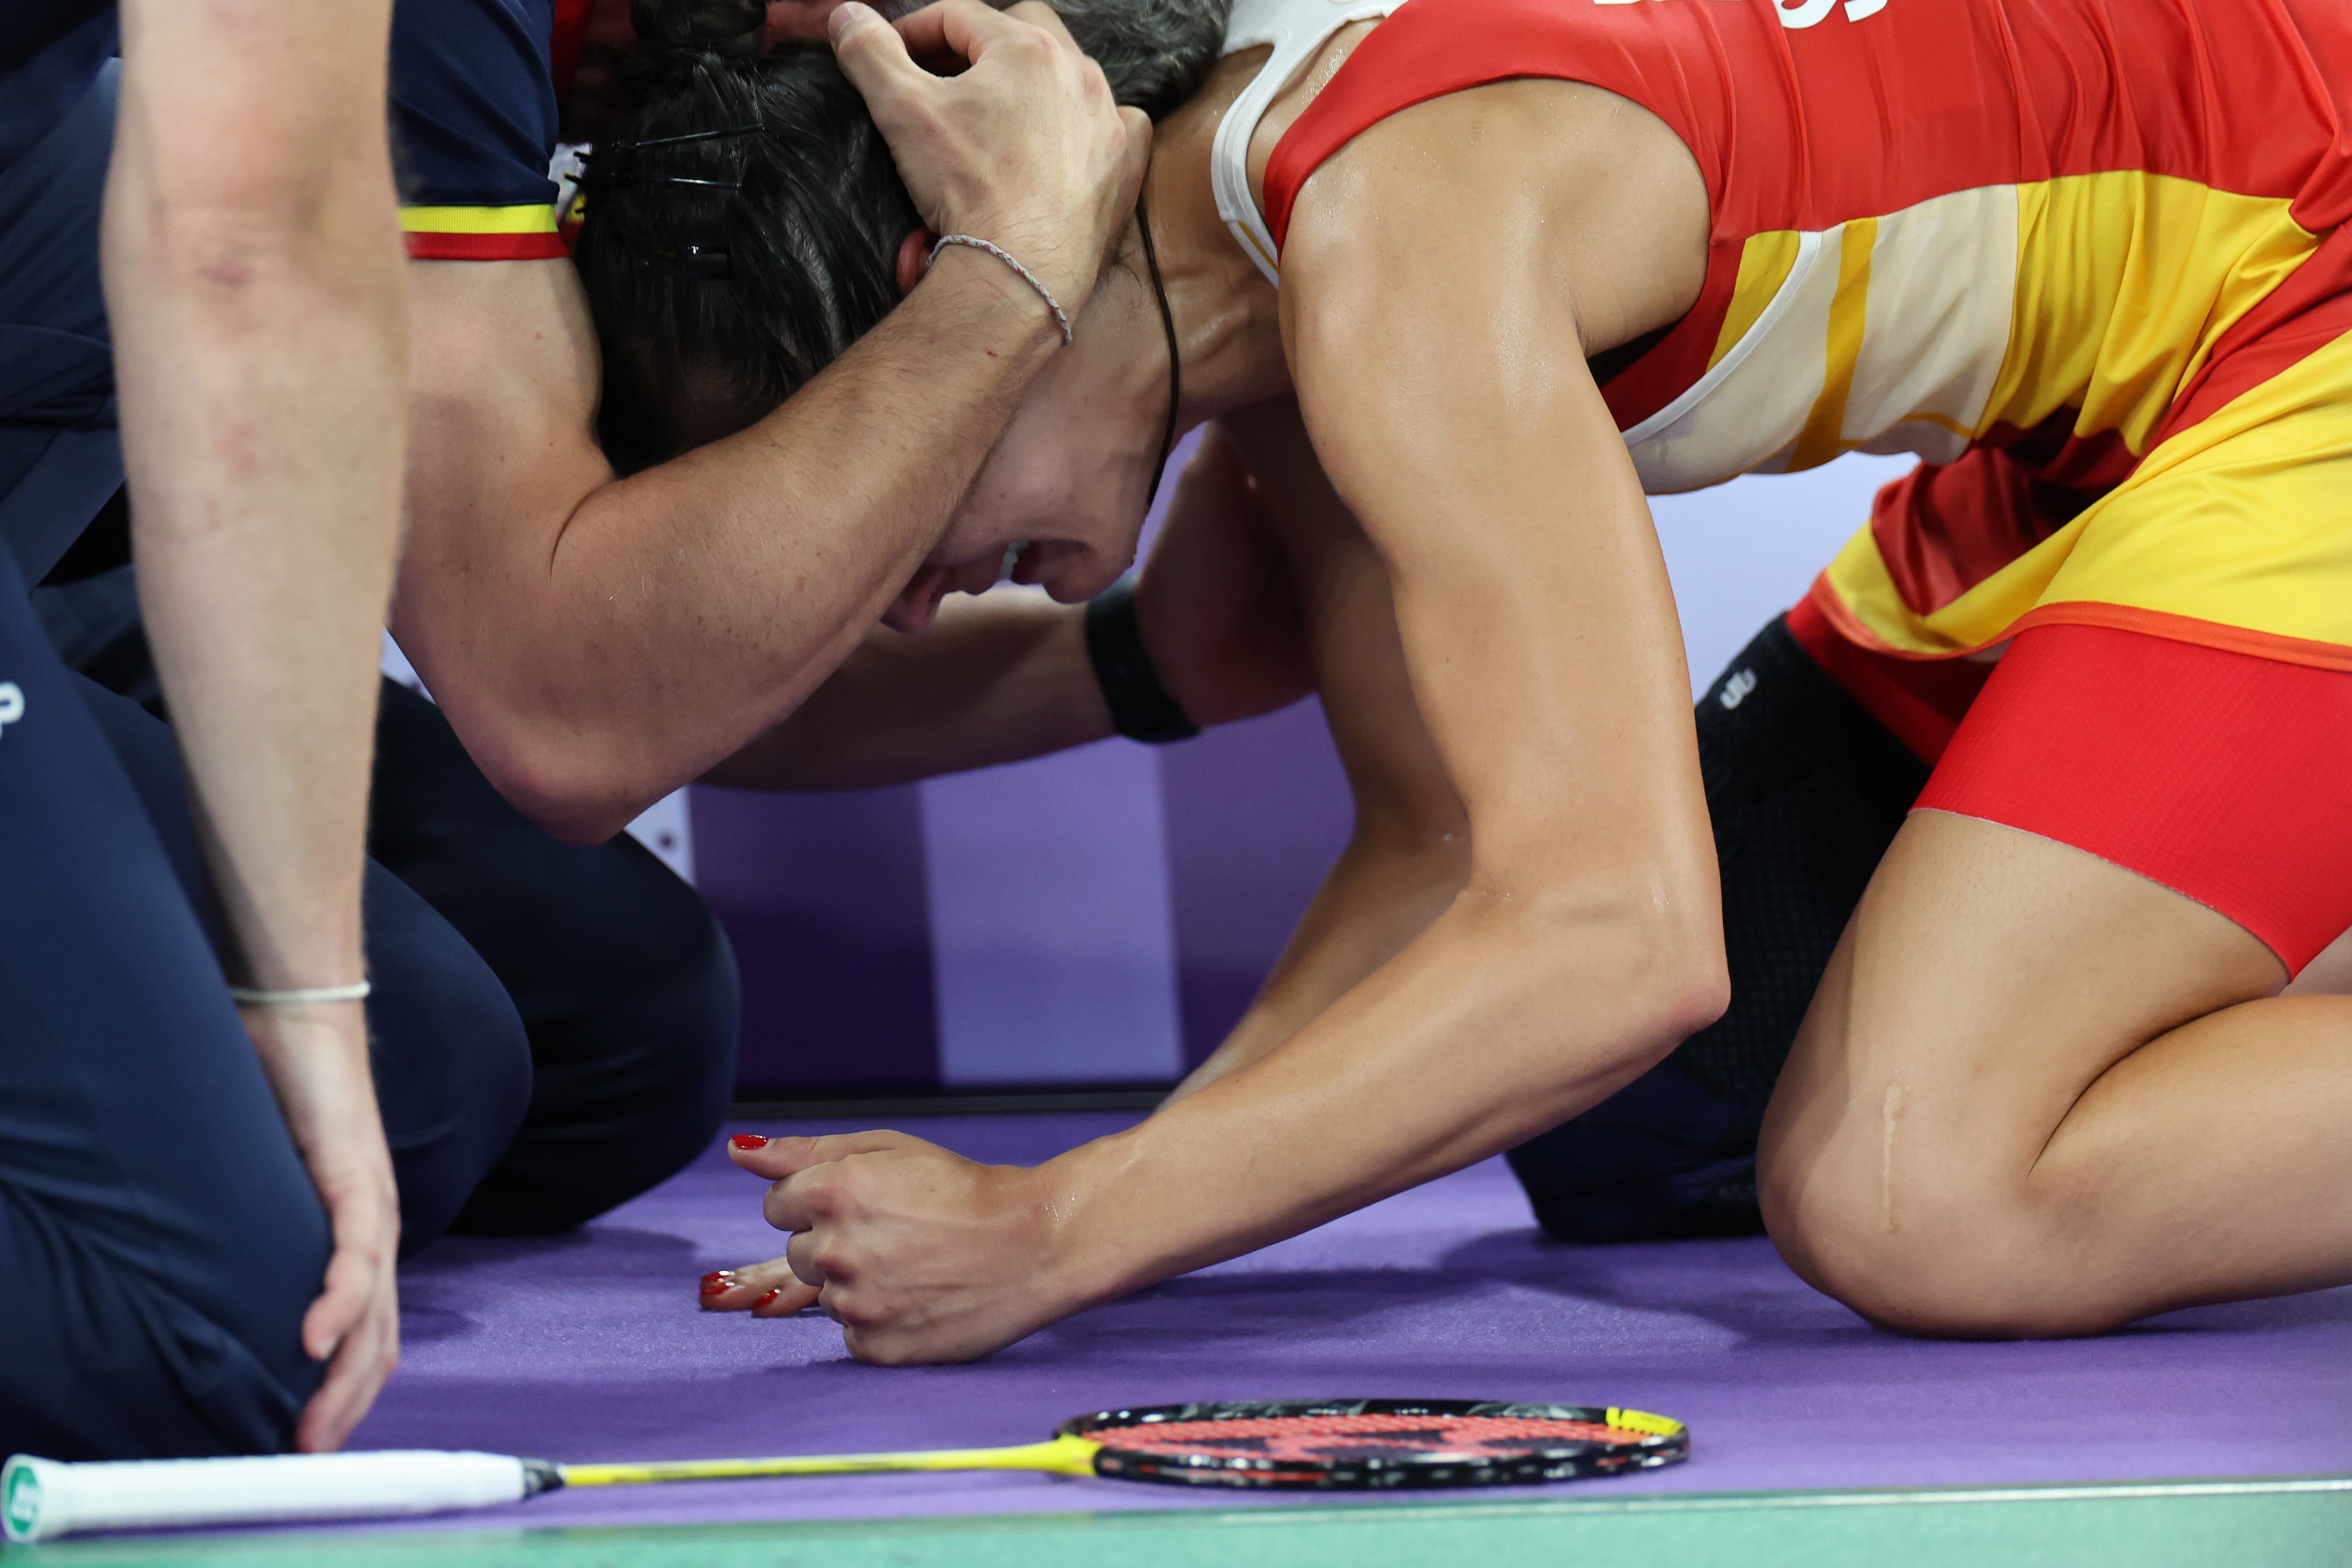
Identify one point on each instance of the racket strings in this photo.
(1363, 1435)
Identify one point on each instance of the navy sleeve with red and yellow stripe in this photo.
(473, 126)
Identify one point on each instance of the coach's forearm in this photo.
(252, 273)
(674, 615)
(996, 679)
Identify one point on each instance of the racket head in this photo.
(1371, 1445)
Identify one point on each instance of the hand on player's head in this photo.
(946, 35)
(1023, 147)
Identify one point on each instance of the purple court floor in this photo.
(590, 1347)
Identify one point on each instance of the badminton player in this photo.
(1456, 287)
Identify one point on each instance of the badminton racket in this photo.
(1332, 1444)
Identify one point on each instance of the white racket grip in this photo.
(43, 1498)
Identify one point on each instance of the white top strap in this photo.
(1297, 29)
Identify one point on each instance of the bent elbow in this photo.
(569, 806)
(1680, 985)
(573, 819)
(1697, 989)
(561, 788)
(1646, 955)
(578, 780)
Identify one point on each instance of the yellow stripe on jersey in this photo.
(1764, 265)
(2237, 522)
(1991, 307)
(2124, 281)
(1883, 333)
(536, 219)
(1824, 435)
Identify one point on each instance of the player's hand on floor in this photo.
(768, 1289)
(920, 1254)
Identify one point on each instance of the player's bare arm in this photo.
(1588, 915)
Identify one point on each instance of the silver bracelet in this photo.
(251, 997)
(1027, 276)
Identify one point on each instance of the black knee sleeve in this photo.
(1806, 790)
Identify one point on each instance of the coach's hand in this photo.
(316, 1059)
(920, 1254)
(1024, 148)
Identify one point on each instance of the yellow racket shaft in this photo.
(1061, 1456)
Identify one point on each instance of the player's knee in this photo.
(1945, 1253)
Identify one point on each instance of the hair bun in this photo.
(728, 27)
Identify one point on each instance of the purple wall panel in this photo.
(1051, 956)
(1257, 813)
(822, 897)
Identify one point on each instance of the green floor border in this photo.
(2277, 1523)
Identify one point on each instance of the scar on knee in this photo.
(1890, 1111)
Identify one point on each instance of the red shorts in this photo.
(2225, 776)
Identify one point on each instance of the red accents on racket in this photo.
(1360, 1444)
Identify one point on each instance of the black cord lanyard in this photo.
(1175, 368)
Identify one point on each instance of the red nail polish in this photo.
(749, 1141)
(719, 1274)
(771, 1296)
(718, 1284)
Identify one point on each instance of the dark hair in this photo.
(1156, 53)
(726, 270)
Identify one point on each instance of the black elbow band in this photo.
(1140, 707)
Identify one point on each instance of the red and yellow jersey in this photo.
(473, 110)
(2087, 258)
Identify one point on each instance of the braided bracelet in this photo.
(1027, 276)
(251, 997)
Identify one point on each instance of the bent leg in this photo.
(2329, 975)
(451, 1065)
(159, 1240)
(2040, 1093)
(450, 1060)
(623, 979)
(558, 1020)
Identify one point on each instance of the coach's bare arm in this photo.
(597, 641)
